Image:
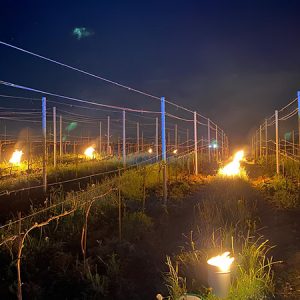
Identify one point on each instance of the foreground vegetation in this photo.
(282, 190)
(84, 244)
(71, 167)
(116, 239)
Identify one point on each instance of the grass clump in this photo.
(283, 192)
(135, 225)
(254, 276)
(175, 284)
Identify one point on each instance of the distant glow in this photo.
(213, 144)
(223, 261)
(150, 150)
(234, 167)
(81, 32)
(89, 152)
(71, 126)
(175, 151)
(16, 157)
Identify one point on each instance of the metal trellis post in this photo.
(100, 137)
(54, 137)
(108, 133)
(195, 143)
(277, 141)
(156, 139)
(138, 136)
(60, 136)
(45, 143)
(217, 146)
(208, 138)
(124, 140)
(298, 122)
(163, 147)
(175, 137)
(266, 139)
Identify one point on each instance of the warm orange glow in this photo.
(16, 157)
(89, 152)
(150, 150)
(234, 167)
(222, 262)
(175, 151)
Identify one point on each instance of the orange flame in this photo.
(223, 261)
(234, 167)
(16, 157)
(89, 152)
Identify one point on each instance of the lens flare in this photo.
(222, 262)
(234, 167)
(89, 152)
(16, 157)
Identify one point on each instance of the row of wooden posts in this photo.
(260, 141)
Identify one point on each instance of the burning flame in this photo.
(223, 261)
(175, 151)
(234, 167)
(89, 152)
(16, 157)
(150, 150)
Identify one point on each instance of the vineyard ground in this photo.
(141, 258)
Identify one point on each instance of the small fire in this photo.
(16, 157)
(150, 150)
(223, 261)
(234, 167)
(175, 151)
(89, 152)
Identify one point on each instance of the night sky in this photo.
(233, 61)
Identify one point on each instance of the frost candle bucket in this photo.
(219, 274)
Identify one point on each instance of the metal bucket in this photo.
(219, 282)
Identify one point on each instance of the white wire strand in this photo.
(75, 99)
(80, 71)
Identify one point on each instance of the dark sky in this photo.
(234, 61)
